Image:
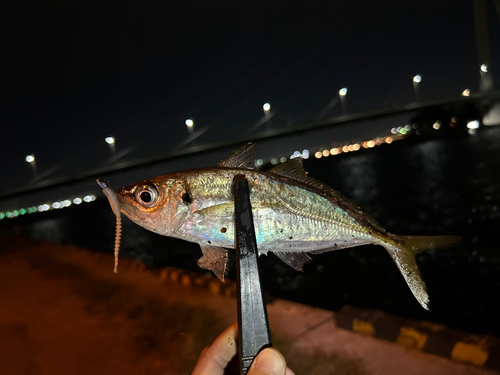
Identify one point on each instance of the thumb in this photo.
(268, 362)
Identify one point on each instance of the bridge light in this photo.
(473, 124)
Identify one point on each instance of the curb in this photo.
(197, 280)
(180, 276)
(478, 350)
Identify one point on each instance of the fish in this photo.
(294, 216)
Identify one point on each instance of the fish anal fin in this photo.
(336, 246)
(214, 259)
(294, 260)
(243, 157)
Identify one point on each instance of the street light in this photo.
(486, 83)
(416, 80)
(190, 125)
(267, 107)
(342, 94)
(111, 142)
(30, 159)
(466, 92)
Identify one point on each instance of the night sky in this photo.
(76, 72)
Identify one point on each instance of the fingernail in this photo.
(269, 362)
(289, 372)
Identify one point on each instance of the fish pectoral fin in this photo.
(217, 210)
(294, 260)
(227, 210)
(214, 259)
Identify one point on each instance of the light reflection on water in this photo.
(360, 177)
(50, 229)
(429, 160)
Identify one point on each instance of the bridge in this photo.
(333, 124)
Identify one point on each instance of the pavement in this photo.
(64, 311)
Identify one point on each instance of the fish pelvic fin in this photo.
(214, 259)
(403, 252)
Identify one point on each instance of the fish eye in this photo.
(146, 195)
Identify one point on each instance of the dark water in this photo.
(417, 186)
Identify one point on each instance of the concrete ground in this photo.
(64, 311)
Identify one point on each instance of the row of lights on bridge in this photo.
(31, 158)
(47, 207)
(189, 123)
(417, 79)
(397, 134)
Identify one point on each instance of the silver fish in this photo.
(293, 215)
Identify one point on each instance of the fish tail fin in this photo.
(403, 252)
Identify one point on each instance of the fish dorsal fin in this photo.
(293, 168)
(243, 157)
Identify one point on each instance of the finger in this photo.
(215, 357)
(269, 362)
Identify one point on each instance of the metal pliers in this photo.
(253, 325)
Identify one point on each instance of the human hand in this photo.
(215, 357)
